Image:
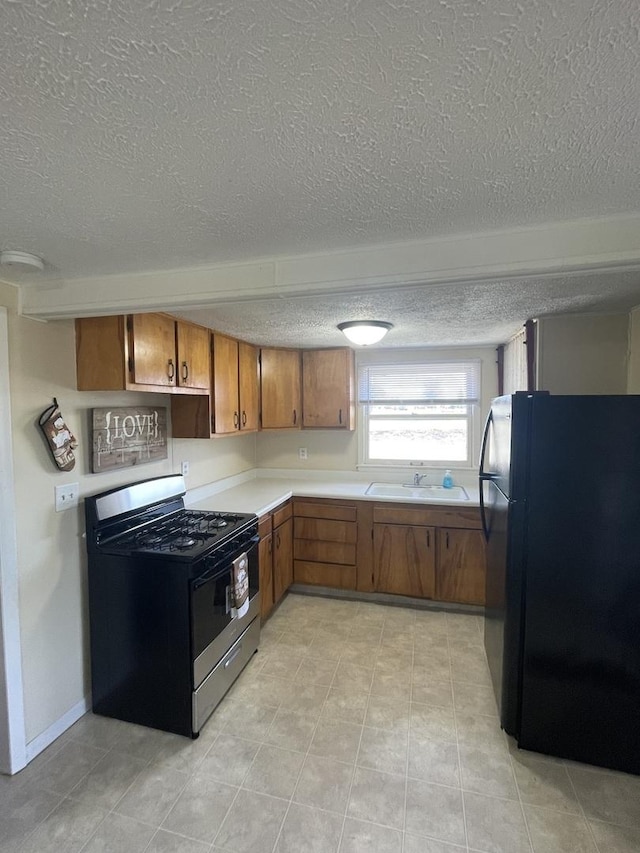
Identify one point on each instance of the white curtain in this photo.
(515, 363)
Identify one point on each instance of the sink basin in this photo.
(426, 493)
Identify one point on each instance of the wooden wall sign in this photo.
(128, 436)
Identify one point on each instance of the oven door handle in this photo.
(223, 565)
(211, 575)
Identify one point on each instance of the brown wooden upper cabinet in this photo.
(328, 389)
(142, 352)
(234, 385)
(280, 388)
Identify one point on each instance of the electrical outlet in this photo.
(302, 453)
(67, 496)
(184, 469)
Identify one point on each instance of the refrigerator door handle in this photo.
(483, 447)
(483, 475)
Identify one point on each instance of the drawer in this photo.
(264, 526)
(324, 574)
(324, 530)
(427, 516)
(213, 688)
(324, 552)
(281, 514)
(338, 512)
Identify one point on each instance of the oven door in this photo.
(214, 625)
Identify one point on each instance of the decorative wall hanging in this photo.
(126, 436)
(60, 440)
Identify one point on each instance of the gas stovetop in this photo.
(184, 534)
(149, 517)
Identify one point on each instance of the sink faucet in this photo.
(417, 479)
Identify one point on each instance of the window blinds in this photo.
(439, 382)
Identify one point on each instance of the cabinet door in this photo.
(265, 562)
(248, 381)
(100, 353)
(461, 566)
(153, 347)
(226, 417)
(282, 559)
(328, 389)
(404, 559)
(193, 355)
(280, 388)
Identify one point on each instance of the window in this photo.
(419, 412)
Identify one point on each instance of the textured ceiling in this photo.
(157, 134)
(162, 135)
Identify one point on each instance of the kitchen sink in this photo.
(427, 493)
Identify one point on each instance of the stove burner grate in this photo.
(182, 531)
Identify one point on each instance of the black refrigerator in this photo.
(560, 503)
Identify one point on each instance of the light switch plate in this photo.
(67, 496)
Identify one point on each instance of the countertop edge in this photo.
(261, 495)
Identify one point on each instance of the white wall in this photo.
(332, 450)
(51, 550)
(583, 354)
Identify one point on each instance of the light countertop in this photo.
(259, 494)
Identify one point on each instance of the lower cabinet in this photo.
(265, 563)
(434, 552)
(282, 551)
(404, 559)
(428, 552)
(461, 567)
(324, 543)
(275, 557)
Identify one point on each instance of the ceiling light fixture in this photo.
(21, 260)
(365, 332)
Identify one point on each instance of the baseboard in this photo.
(386, 598)
(40, 743)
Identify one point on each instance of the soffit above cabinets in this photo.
(474, 289)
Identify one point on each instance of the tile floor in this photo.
(357, 728)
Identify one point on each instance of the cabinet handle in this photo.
(236, 420)
(172, 370)
(340, 416)
(428, 539)
(277, 540)
(244, 418)
(185, 371)
(446, 538)
(295, 416)
(270, 551)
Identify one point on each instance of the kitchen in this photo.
(51, 553)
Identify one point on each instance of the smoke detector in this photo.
(21, 260)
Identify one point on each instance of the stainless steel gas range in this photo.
(169, 629)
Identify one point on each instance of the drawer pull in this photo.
(231, 659)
